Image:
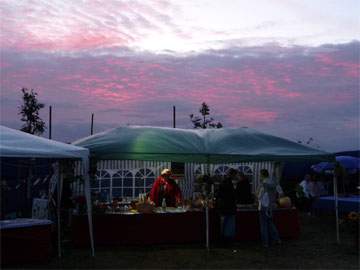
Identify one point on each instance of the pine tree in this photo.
(29, 112)
(204, 121)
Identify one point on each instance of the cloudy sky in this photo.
(289, 68)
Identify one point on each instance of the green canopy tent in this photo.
(225, 145)
(195, 145)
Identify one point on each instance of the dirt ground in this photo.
(316, 249)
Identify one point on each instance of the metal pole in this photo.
(336, 210)
(207, 208)
(29, 200)
(29, 180)
(174, 117)
(207, 225)
(50, 122)
(89, 209)
(92, 124)
(59, 187)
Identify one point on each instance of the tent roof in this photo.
(195, 145)
(15, 143)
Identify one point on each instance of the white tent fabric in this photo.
(18, 144)
(15, 143)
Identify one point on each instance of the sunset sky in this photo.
(289, 68)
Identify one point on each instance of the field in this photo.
(316, 249)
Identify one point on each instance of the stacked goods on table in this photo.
(284, 202)
(145, 207)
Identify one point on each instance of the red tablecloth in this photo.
(115, 229)
(248, 225)
(26, 244)
(174, 228)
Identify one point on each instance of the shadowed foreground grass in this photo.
(316, 248)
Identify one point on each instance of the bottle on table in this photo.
(163, 204)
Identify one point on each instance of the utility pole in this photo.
(174, 117)
(92, 124)
(50, 121)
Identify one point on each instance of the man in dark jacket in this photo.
(243, 190)
(226, 206)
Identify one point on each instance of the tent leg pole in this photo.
(59, 187)
(207, 208)
(207, 226)
(336, 210)
(85, 169)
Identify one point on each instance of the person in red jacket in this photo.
(166, 188)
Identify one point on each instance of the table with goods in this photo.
(139, 222)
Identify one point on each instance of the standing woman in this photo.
(267, 196)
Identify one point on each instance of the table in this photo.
(345, 204)
(175, 228)
(140, 229)
(25, 240)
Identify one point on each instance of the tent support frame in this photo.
(58, 206)
(207, 207)
(336, 209)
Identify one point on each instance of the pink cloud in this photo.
(57, 27)
(330, 60)
(251, 115)
(251, 80)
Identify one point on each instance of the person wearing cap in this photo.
(166, 188)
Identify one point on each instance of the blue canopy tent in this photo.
(351, 164)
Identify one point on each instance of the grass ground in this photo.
(316, 249)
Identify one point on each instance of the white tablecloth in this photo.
(23, 222)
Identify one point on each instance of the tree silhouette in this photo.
(309, 142)
(204, 121)
(29, 112)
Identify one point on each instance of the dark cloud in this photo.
(296, 92)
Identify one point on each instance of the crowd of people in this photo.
(309, 189)
(234, 189)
